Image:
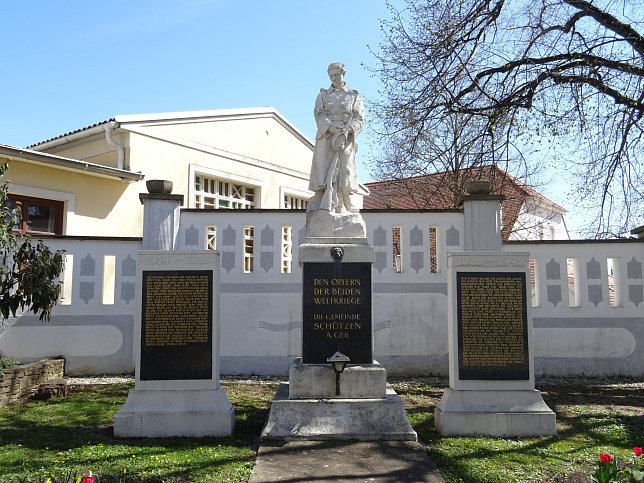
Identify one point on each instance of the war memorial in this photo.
(335, 389)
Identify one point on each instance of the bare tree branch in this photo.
(514, 70)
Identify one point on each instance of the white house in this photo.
(89, 180)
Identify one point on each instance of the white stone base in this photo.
(343, 419)
(494, 413)
(318, 381)
(168, 413)
(323, 224)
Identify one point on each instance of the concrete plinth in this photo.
(494, 413)
(348, 418)
(318, 381)
(367, 409)
(186, 413)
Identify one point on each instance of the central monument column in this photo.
(336, 390)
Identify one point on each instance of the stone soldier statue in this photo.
(339, 114)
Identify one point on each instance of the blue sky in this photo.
(72, 63)
(69, 64)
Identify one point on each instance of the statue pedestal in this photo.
(367, 409)
(346, 225)
(337, 317)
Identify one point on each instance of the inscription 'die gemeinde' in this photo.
(336, 312)
(492, 326)
(176, 325)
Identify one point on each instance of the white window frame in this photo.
(294, 192)
(224, 176)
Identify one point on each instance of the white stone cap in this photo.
(497, 260)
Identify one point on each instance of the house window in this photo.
(38, 215)
(294, 202)
(218, 193)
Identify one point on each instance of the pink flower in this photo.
(605, 458)
(637, 451)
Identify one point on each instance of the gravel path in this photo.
(129, 378)
(113, 379)
(404, 381)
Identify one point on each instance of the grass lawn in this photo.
(593, 416)
(64, 438)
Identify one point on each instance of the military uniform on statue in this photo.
(339, 115)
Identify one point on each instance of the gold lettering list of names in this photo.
(491, 318)
(176, 310)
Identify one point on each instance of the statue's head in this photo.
(336, 73)
(336, 66)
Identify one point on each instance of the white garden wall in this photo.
(589, 321)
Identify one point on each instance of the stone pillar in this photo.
(161, 214)
(491, 362)
(482, 217)
(176, 349)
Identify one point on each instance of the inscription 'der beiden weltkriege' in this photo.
(337, 312)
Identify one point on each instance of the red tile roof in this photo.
(443, 190)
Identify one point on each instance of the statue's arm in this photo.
(358, 115)
(321, 116)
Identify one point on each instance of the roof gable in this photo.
(158, 119)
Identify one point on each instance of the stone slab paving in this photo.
(334, 461)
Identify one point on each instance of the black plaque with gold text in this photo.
(176, 325)
(492, 326)
(337, 312)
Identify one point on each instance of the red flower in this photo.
(88, 479)
(637, 451)
(605, 458)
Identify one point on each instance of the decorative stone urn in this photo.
(479, 187)
(159, 186)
